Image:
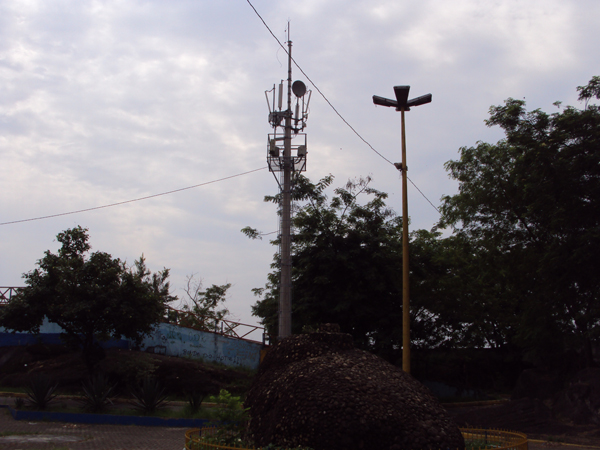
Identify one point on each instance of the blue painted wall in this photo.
(172, 340)
(167, 339)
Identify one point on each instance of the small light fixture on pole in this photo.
(403, 104)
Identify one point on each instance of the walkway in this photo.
(57, 435)
(65, 436)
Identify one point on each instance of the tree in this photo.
(347, 257)
(93, 298)
(530, 208)
(202, 306)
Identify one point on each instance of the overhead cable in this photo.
(134, 200)
(330, 104)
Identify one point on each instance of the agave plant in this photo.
(195, 397)
(41, 391)
(148, 396)
(97, 393)
(19, 403)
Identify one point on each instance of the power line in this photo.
(330, 104)
(134, 200)
(424, 196)
(315, 86)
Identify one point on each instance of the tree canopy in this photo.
(346, 269)
(343, 264)
(529, 206)
(92, 296)
(519, 270)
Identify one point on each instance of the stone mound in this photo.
(317, 390)
(580, 401)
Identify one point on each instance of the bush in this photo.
(149, 395)
(19, 403)
(41, 391)
(195, 397)
(97, 393)
(230, 419)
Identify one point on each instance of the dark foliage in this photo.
(97, 393)
(41, 391)
(92, 297)
(148, 395)
(528, 209)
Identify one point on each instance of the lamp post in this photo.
(402, 104)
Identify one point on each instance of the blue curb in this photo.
(106, 419)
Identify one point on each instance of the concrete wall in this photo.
(167, 339)
(172, 340)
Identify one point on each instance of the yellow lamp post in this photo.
(402, 104)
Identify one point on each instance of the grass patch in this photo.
(478, 444)
(13, 390)
(16, 433)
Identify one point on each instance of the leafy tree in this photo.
(347, 257)
(529, 207)
(345, 264)
(93, 297)
(469, 305)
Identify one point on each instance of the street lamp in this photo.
(403, 104)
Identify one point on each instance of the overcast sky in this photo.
(107, 101)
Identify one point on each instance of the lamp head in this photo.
(384, 101)
(402, 102)
(420, 100)
(401, 95)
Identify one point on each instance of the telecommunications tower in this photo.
(286, 162)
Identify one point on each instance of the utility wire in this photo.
(329, 103)
(134, 200)
(424, 196)
(314, 85)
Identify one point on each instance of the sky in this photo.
(102, 102)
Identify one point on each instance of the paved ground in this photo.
(63, 436)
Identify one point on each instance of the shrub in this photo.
(195, 397)
(97, 393)
(231, 418)
(19, 403)
(41, 391)
(149, 395)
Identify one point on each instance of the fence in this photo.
(225, 327)
(193, 441)
(474, 437)
(6, 294)
(185, 319)
(496, 439)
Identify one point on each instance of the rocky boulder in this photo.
(317, 390)
(580, 401)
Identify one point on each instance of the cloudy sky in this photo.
(107, 101)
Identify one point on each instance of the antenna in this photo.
(286, 164)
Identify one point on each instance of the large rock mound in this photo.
(580, 401)
(317, 390)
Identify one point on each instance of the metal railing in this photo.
(474, 437)
(6, 293)
(193, 440)
(181, 318)
(480, 438)
(209, 324)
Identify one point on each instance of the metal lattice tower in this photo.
(286, 162)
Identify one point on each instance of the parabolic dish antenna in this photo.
(298, 88)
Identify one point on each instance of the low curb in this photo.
(106, 419)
